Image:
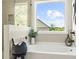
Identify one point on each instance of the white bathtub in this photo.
(45, 50)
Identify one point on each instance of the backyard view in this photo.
(51, 14)
(56, 28)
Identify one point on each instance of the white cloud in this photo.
(54, 14)
(57, 23)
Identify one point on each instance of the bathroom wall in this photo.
(18, 32)
(60, 38)
(7, 9)
(6, 42)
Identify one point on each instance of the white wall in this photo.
(7, 8)
(4, 11)
(18, 32)
(51, 38)
(6, 42)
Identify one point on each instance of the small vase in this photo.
(32, 40)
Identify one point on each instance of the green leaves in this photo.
(32, 33)
(56, 29)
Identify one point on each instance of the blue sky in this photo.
(51, 13)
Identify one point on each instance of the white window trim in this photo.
(49, 1)
(52, 32)
(66, 18)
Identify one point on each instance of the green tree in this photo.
(51, 28)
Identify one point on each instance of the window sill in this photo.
(52, 32)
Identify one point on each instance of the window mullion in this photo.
(33, 14)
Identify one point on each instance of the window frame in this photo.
(65, 20)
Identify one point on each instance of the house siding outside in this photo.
(41, 26)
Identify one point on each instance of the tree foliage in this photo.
(52, 28)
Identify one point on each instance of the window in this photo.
(45, 15)
(50, 16)
(21, 14)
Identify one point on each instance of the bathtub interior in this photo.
(46, 50)
(52, 48)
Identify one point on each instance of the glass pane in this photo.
(21, 14)
(50, 16)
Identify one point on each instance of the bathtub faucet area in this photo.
(69, 42)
